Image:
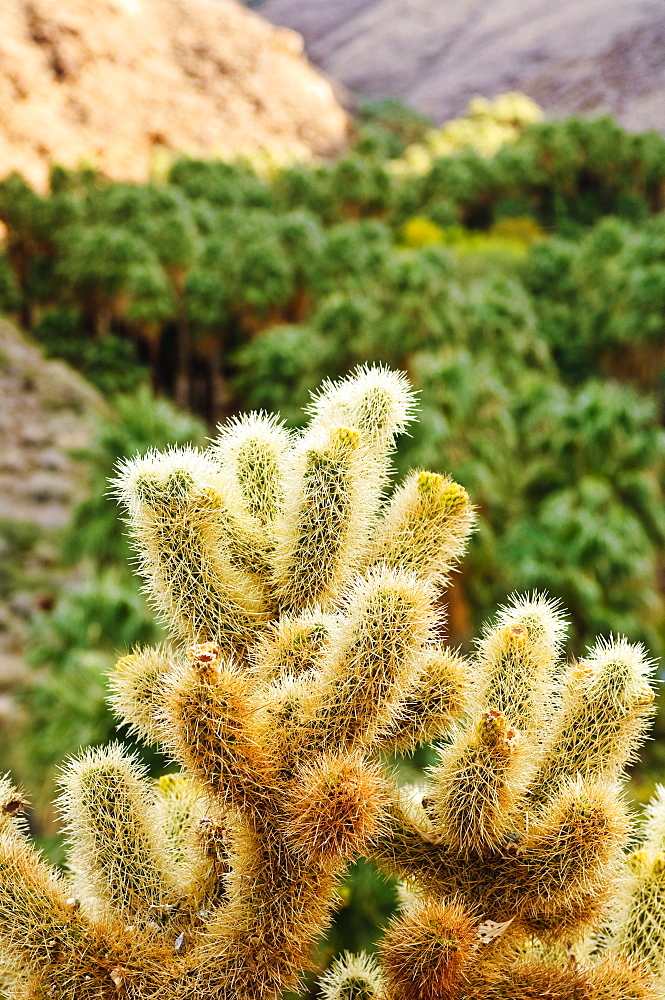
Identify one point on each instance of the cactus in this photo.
(306, 625)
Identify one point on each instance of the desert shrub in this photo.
(278, 370)
(386, 127)
(600, 300)
(111, 364)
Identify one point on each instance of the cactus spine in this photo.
(306, 640)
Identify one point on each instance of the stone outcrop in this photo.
(47, 412)
(116, 81)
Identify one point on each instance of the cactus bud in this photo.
(352, 977)
(335, 807)
(426, 951)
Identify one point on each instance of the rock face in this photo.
(111, 81)
(589, 56)
(47, 411)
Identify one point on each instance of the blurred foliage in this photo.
(419, 231)
(486, 127)
(602, 300)
(387, 127)
(110, 364)
(72, 647)
(176, 276)
(17, 541)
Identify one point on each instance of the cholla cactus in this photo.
(306, 643)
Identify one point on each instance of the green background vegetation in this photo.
(523, 292)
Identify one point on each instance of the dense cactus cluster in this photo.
(304, 607)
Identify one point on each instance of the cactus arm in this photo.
(253, 449)
(178, 520)
(259, 943)
(478, 785)
(292, 646)
(137, 690)
(440, 694)
(120, 861)
(425, 527)
(516, 662)
(323, 534)
(372, 659)
(606, 705)
(216, 730)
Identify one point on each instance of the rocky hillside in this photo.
(115, 80)
(589, 56)
(47, 411)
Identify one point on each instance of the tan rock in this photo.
(47, 411)
(112, 81)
